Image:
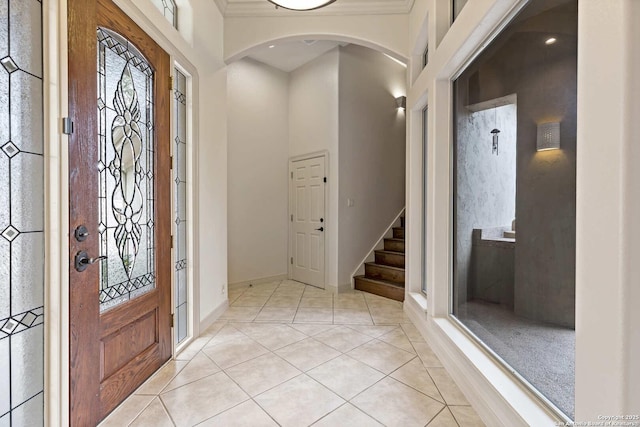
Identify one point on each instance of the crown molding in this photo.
(222, 5)
(246, 8)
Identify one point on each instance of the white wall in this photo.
(258, 138)
(313, 126)
(607, 268)
(371, 152)
(211, 196)
(210, 151)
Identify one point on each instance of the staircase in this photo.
(385, 276)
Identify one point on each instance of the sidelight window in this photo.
(22, 237)
(180, 194)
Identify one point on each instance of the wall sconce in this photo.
(401, 102)
(548, 136)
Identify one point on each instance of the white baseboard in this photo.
(259, 280)
(498, 398)
(214, 315)
(336, 289)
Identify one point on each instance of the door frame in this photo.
(55, 103)
(327, 216)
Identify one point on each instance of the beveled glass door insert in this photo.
(126, 165)
(21, 215)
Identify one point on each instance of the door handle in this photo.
(82, 261)
(320, 229)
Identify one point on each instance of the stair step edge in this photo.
(381, 282)
(389, 252)
(391, 267)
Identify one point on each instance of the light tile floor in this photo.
(287, 354)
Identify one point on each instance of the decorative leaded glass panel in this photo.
(126, 167)
(21, 214)
(180, 152)
(168, 9)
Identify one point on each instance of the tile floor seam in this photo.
(266, 412)
(243, 390)
(207, 356)
(167, 411)
(185, 384)
(270, 388)
(421, 392)
(436, 416)
(138, 414)
(141, 412)
(438, 388)
(236, 364)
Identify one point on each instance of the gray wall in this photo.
(546, 206)
(372, 152)
(486, 183)
(545, 83)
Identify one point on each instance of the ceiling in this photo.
(231, 8)
(287, 56)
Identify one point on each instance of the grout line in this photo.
(166, 410)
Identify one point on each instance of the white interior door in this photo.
(308, 227)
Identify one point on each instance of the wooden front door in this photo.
(119, 203)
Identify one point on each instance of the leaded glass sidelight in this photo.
(126, 168)
(180, 179)
(21, 214)
(168, 9)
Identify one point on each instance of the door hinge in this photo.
(172, 241)
(170, 82)
(67, 126)
(171, 162)
(291, 175)
(291, 217)
(172, 319)
(325, 179)
(291, 260)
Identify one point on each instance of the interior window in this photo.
(515, 197)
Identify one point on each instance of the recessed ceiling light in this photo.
(272, 46)
(550, 40)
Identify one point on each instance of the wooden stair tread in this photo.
(386, 275)
(382, 251)
(391, 267)
(380, 287)
(379, 281)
